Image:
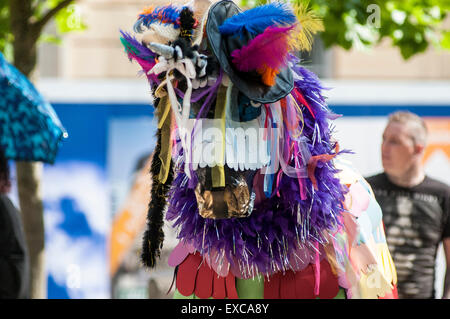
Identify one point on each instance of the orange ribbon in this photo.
(312, 163)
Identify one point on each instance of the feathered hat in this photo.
(236, 36)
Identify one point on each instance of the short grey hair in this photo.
(417, 127)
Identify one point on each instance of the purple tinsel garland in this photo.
(280, 225)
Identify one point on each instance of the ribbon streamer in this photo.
(186, 67)
(312, 163)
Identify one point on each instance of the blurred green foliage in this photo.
(5, 34)
(411, 25)
(67, 19)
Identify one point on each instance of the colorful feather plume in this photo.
(266, 53)
(139, 53)
(268, 75)
(256, 20)
(165, 14)
(309, 25)
(134, 48)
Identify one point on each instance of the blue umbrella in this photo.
(30, 130)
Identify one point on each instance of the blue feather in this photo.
(256, 20)
(165, 15)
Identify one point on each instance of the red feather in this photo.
(267, 50)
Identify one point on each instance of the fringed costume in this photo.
(246, 167)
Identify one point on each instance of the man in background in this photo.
(416, 208)
(14, 265)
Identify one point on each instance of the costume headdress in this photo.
(246, 160)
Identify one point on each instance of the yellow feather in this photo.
(310, 24)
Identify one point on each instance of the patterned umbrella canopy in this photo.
(30, 130)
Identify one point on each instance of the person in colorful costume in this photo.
(245, 165)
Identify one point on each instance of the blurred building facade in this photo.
(97, 51)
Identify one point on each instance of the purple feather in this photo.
(140, 53)
(265, 242)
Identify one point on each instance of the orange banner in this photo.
(130, 221)
(438, 137)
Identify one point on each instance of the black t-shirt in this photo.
(416, 220)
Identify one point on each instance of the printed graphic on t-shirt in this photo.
(414, 221)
